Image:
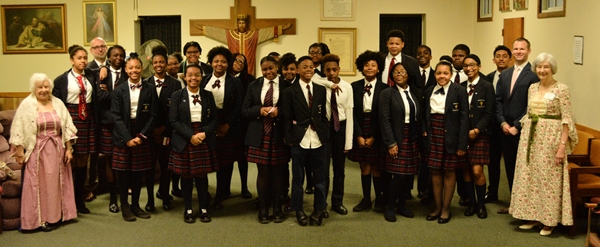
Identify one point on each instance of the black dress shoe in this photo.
(138, 212)
(317, 218)
(309, 191)
(390, 215)
(176, 192)
(263, 216)
(445, 220)
(45, 227)
(433, 217)
(379, 205)
(127, 214)
(188, 216)
(363, 205)
(246, 194)
(288, 207)
(82, 209)
(150, 208)
(113, 208)
(491, 197)
(325, 213)
(340, 209)
(167, 206)
(464, 201)
(159, 196)
(471, 210)
(482, 212)
(302, 218)
(204, 217)
(405, 212)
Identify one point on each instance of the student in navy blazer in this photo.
(229, 96)
(67, 89)
(481, 110)
(446, 127)
(134, 111)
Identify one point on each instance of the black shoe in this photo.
(263, 213)
(113, 208)
(246, 194)
(325, 213)
(188, 216)
(471, 210)
(464, 201)
(340, 209)
(204, 217)
(379, 205)
(445, 220)
(167, 206)
(177, 193)
(138, 212)
(159, 196)
(390, 215)
(127, 214)
(302, 218)
(278, 215)
(309, 191)
(317, 218)
(364, 204)
(405, 212)
(482, 212)
(45, 227)
(82, 209)
(433, 217)
(288, 207)
(489, 197)
(150, 207)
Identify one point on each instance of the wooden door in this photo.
(513, 29)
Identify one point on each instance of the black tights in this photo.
(127, 180)
(270, 182)
(201, 187)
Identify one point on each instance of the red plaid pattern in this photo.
(479, 150)
(229, 149)
(407, 162)
(268, 153)
(135, 159)
(105, 144)
(438, 157)
(194, 160)
(86, 130)
(366, 155)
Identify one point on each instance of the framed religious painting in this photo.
(504, 5)
(99, 21)
(551, 8)
(484, 10)
(39, 28)
(520, 4)
(341, 42)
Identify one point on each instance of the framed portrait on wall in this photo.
(520, 4)
(551, 8)
(34, 29)
(484, 10)
(99, 21)
(341, 42)
(504, 5)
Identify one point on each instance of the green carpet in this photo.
(237, 225)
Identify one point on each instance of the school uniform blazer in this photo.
(121, 113)
(61, 85)
(164, 102)
(251, 111)
(297, 117)
(431, 82)
(392, 113)
(456, 125)
(511, 108)
(490, 76)
(481, 109)
(358, 88)
(232, 104)
(413, 69)
(181, 119)
(105, 103)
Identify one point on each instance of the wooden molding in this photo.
(595, 133)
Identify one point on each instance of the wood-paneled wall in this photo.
(11, 101)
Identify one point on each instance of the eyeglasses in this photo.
(315, 53)
(99, 47)
(399, 73)
(470, 66)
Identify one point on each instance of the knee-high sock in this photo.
(243, 169)
(202, 189)
(468, 187)
(366, 186)
(124, 180)
(186, 191)
(136, 187)
(395, 192)
(480, 194)
(263, 182)
(150, 184)
(79, 183)
(113, 189)
(378, 184)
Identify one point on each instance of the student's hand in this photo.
(361, 141)
(393, 151)
(336, 88)
(513, 131)
(369, 142)
(102, 73)
(460, 153)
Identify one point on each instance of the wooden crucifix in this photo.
(243, 32)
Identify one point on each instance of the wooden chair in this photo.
(585, 179)
(581, 152)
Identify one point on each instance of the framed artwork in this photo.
(341, 42)
(34, 29)
(520, 4)
(338, 10)
(484, 10)
(504, 5)
(551, 8)
(100, 19)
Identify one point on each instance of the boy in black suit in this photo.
(306, 130)
(395, 43)
(427, 80)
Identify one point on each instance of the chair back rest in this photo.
(583, 146)
(595, 152)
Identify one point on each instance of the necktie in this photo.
(134, 86)
(117, 78)
(217, 84)
(82, 102)
(390, 80)
(196, 99)
(457, 77)
(334, 112)
(440, 91)
(160, 83)
(310, 102)
(267, 121)
(514, 79)
(424, 78)
(412, 115)
(471, 89)
(368, 89)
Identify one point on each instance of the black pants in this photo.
(495, 157)
(335, 151)
(510, 146)
(317, 160)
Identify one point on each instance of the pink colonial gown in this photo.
(48, 182)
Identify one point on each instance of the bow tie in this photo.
(196, 100)
(134, 86)
(368, 89)
(160, 83)
(440, 91)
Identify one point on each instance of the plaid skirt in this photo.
(137, 158)
(438, 157)
(194, 160)
(105, 145)
(229, 149)
(407, 162)
(86, 130)
(366, 155)
(478, 152)
(268, 153)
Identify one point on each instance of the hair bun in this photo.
(133, 55)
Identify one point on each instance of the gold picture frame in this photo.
(341, 42)
(100, 18)
(35, 28)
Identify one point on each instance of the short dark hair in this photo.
(302, 58)
(193, 65)
(462, 47)
(443, 63)
(426, 47)
(269, 58)
(74, 49)
(274, 53)
(446, 58)
(395, 33)
(190, 44)
(115, 47)
(286, 60)
(474, 57)
(367, 56)
(331, 58)
(220, 50)
(524, 39)
(503, 48)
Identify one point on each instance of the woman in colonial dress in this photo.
(541, 192)
(41, 137)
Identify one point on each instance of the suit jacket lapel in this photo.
(449, 96)
(187, 117)
(396, 94)
(300, 95)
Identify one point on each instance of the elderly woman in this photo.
(41, 138)
(541, 192)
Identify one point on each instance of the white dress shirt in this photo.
(114, 75)
(388, 60)
(405, 101)
(461, 75)
(265, 88)
(310, 139)
(218, 92)
(158, 89)
(345, 105)
(468, 85)
(195, 109)
(427, 71)
(437, 102)
(495, 80)
(368, 98)
(134, 96)
(73, 88)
